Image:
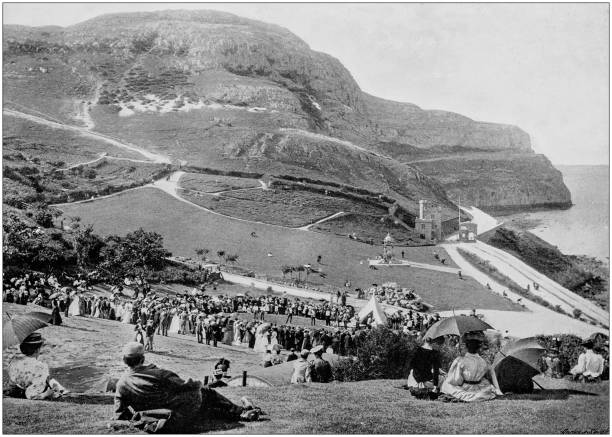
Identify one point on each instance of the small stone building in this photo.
(468, 232)
(429, 224)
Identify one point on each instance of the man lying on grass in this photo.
(144, 389)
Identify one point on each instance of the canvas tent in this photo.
(375, 309)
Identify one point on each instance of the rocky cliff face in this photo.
(213, 87)
(498, 183)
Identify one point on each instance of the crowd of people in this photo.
(391, 294)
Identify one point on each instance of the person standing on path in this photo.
(150, 332)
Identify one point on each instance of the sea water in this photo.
(584, 229)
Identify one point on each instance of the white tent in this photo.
(373, 308)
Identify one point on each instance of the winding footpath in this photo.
(153, 157)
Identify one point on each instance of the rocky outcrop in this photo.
(500, 183)
(211, 87)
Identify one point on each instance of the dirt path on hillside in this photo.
(324, 219)
(406, 263)
(153, 157)
(171, 186)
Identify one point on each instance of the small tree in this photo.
(577, 312)
(202, 252)
(285, 269)
(221, 255)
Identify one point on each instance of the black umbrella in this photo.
(456, 325)
(517, 363)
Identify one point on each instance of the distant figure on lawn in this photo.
(470, 378)
(28, 376)
(301, 372)
(145, 388)
(590, 364)
(320, 369)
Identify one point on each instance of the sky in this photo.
(543, 66)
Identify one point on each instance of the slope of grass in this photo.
(369, 407)
(186, 228)
(53, 145)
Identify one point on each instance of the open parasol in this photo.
(17, 328)
(456, 325)
(516, 363)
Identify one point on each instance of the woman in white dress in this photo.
(273, 339)
(237, 341)
(261, 338)
(75, 307)
(470, 378)
(127, 312)
(96, 308)
(176, 323)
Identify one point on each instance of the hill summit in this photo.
(220, 91)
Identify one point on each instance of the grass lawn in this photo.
(377, 407)
(186, 228)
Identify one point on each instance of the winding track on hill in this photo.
(153, 157)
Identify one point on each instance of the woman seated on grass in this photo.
(470, 378)
(29, 377)
(425, 365)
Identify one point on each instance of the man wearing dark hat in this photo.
(145, 387)
(590, 364)
(321, 369)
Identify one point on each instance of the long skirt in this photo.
(470, 392)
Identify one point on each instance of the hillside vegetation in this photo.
(219, 90)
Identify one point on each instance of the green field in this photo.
(186, 228)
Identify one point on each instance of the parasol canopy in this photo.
(516, 363)
(17, 328)
(456, 325)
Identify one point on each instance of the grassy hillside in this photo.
(587, 277)
(186, 228)
(371, 407)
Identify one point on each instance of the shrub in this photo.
(577, 312)
(383, 353)
(569, 347)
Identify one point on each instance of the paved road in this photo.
(550, 290)
(405, 263)
(537, 320)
